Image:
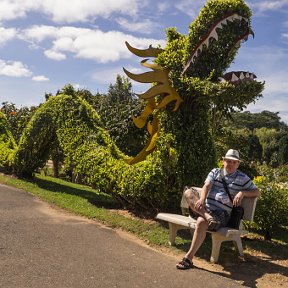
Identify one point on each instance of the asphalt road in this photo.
(41, 246)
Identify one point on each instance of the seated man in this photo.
(213, 208)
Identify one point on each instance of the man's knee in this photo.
(201, 224)
(190, 195)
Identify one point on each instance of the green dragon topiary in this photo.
(190, 70)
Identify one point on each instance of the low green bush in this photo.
(272, 206)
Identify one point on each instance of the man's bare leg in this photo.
(198, 237)
(201, 226)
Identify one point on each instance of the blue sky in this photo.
(49, 43)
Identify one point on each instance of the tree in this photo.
(17, 118)
(115, 110)
(283, 150)
(270, 142)
(252, 121)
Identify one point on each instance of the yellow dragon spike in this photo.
(147, 77)
(162, 88)
(141, 120)
(154, 131)
(150, 52)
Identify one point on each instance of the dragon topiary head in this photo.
(190, 72)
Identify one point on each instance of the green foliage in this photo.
(271, 142)
(217, 58)
(283, 150)
(185, 151)
(17, 119)
(252, 121)
(91, 156)
(115, 110)
(272, 207)
(261, 137)
(7, 145)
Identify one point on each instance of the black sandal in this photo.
(184, 264)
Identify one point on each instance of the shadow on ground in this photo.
(96, 198)
(248, 271)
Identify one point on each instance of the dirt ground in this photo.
(252, 271)
(256, 269)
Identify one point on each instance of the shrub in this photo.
(272, 207)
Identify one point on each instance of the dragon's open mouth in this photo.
(237, 76)
(211, 37)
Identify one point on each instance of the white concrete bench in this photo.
(177, 222)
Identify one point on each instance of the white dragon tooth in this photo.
(248, 75)
(237, 16)
(251, 76)
(224, 22)
(242, 76)
(234, 78)
(221, 79)
(230, 18)
(219, 25)
(206, 42)
(214, 34)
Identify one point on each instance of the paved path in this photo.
(43, 247)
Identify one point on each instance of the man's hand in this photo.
(238, 198)
(199, 204)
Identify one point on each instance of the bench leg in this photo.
(216, 245)
(238, 244)
(173, 228)
(217, 240)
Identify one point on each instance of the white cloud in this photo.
(38, 33)
(144, 27)
(102, 47)
(190, 8)
(14, 69)
(162, 7)
(7, 35)
(82, 10)
(13, 9)
(262, 6)
(67, 11)
(77, 86)
(40, 78)
(285, 36)
(106, 76)
(54, 55)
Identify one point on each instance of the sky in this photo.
(46, 44)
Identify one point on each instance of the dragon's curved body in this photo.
(189, 82)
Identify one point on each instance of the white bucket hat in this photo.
(232, 154)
